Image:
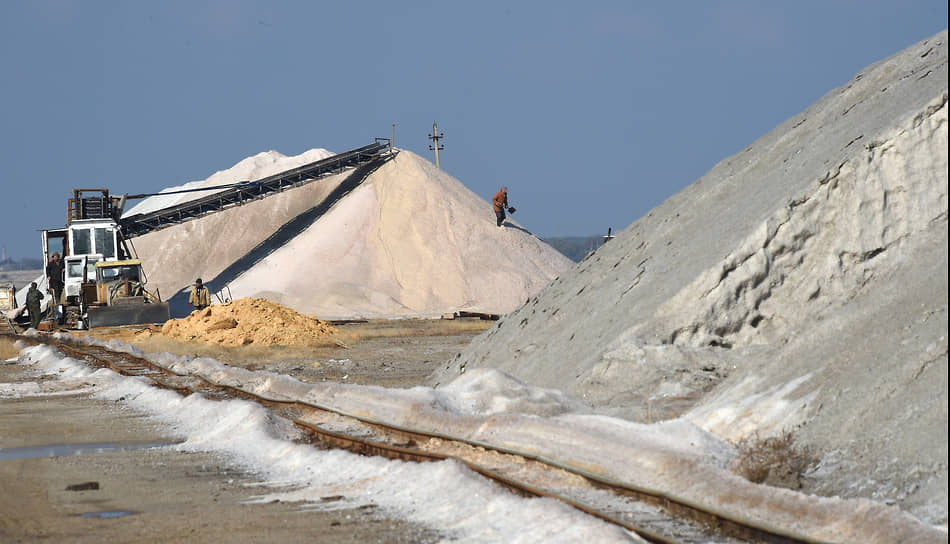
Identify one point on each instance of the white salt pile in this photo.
(409, 240)
(800, 285)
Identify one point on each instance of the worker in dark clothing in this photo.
(200, 298)
(500, 203)
(33, 299)
(54, 275)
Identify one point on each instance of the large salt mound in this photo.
(404, 240)
(799, 285)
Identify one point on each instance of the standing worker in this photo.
(54, 277)
(200, 298)
(500, 202)
(33, 298)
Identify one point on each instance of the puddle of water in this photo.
(61, 450)
(107, 515)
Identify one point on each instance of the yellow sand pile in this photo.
(250, 321)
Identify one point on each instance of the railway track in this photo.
(650, 514)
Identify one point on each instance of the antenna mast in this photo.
(435, 145)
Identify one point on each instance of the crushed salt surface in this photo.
(249, 321)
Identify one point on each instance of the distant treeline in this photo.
(575, 248)
(21, 264)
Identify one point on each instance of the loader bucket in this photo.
(128, 314)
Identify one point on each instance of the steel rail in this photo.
(360, 446)
(725, 523)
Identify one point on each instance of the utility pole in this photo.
(435, 145)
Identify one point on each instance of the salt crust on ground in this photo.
(675, 457)
(250, 321)
(443, 496)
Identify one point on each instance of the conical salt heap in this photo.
(407, 241)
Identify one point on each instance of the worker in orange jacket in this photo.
(500, 202)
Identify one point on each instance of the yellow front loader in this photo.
(120, 298)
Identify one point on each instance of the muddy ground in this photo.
(159, 495)
(390, 353)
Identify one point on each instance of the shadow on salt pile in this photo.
(178, 303)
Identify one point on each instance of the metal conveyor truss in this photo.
(140, 224)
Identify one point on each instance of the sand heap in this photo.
(249, 321)
(404, 240)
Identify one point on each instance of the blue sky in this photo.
(591, 113)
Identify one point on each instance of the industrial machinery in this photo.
(103, 279)
(102, 284)
(121, 298)
(7, 302)
(7, 296)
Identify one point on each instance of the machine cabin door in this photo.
(54, 241)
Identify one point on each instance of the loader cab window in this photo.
(120, 273)
(105, 243)
(122, 281)
(82, 241)
(99, 240)
(56, 243)
(74, 269)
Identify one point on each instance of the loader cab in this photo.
(91, 217)
(91, 239)
(7, 296)
(91, 229)
(120, 297)
(94, 237)
(119, 280)
(82, 244)
(79, 270)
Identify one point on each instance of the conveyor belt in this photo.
(140, 224)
